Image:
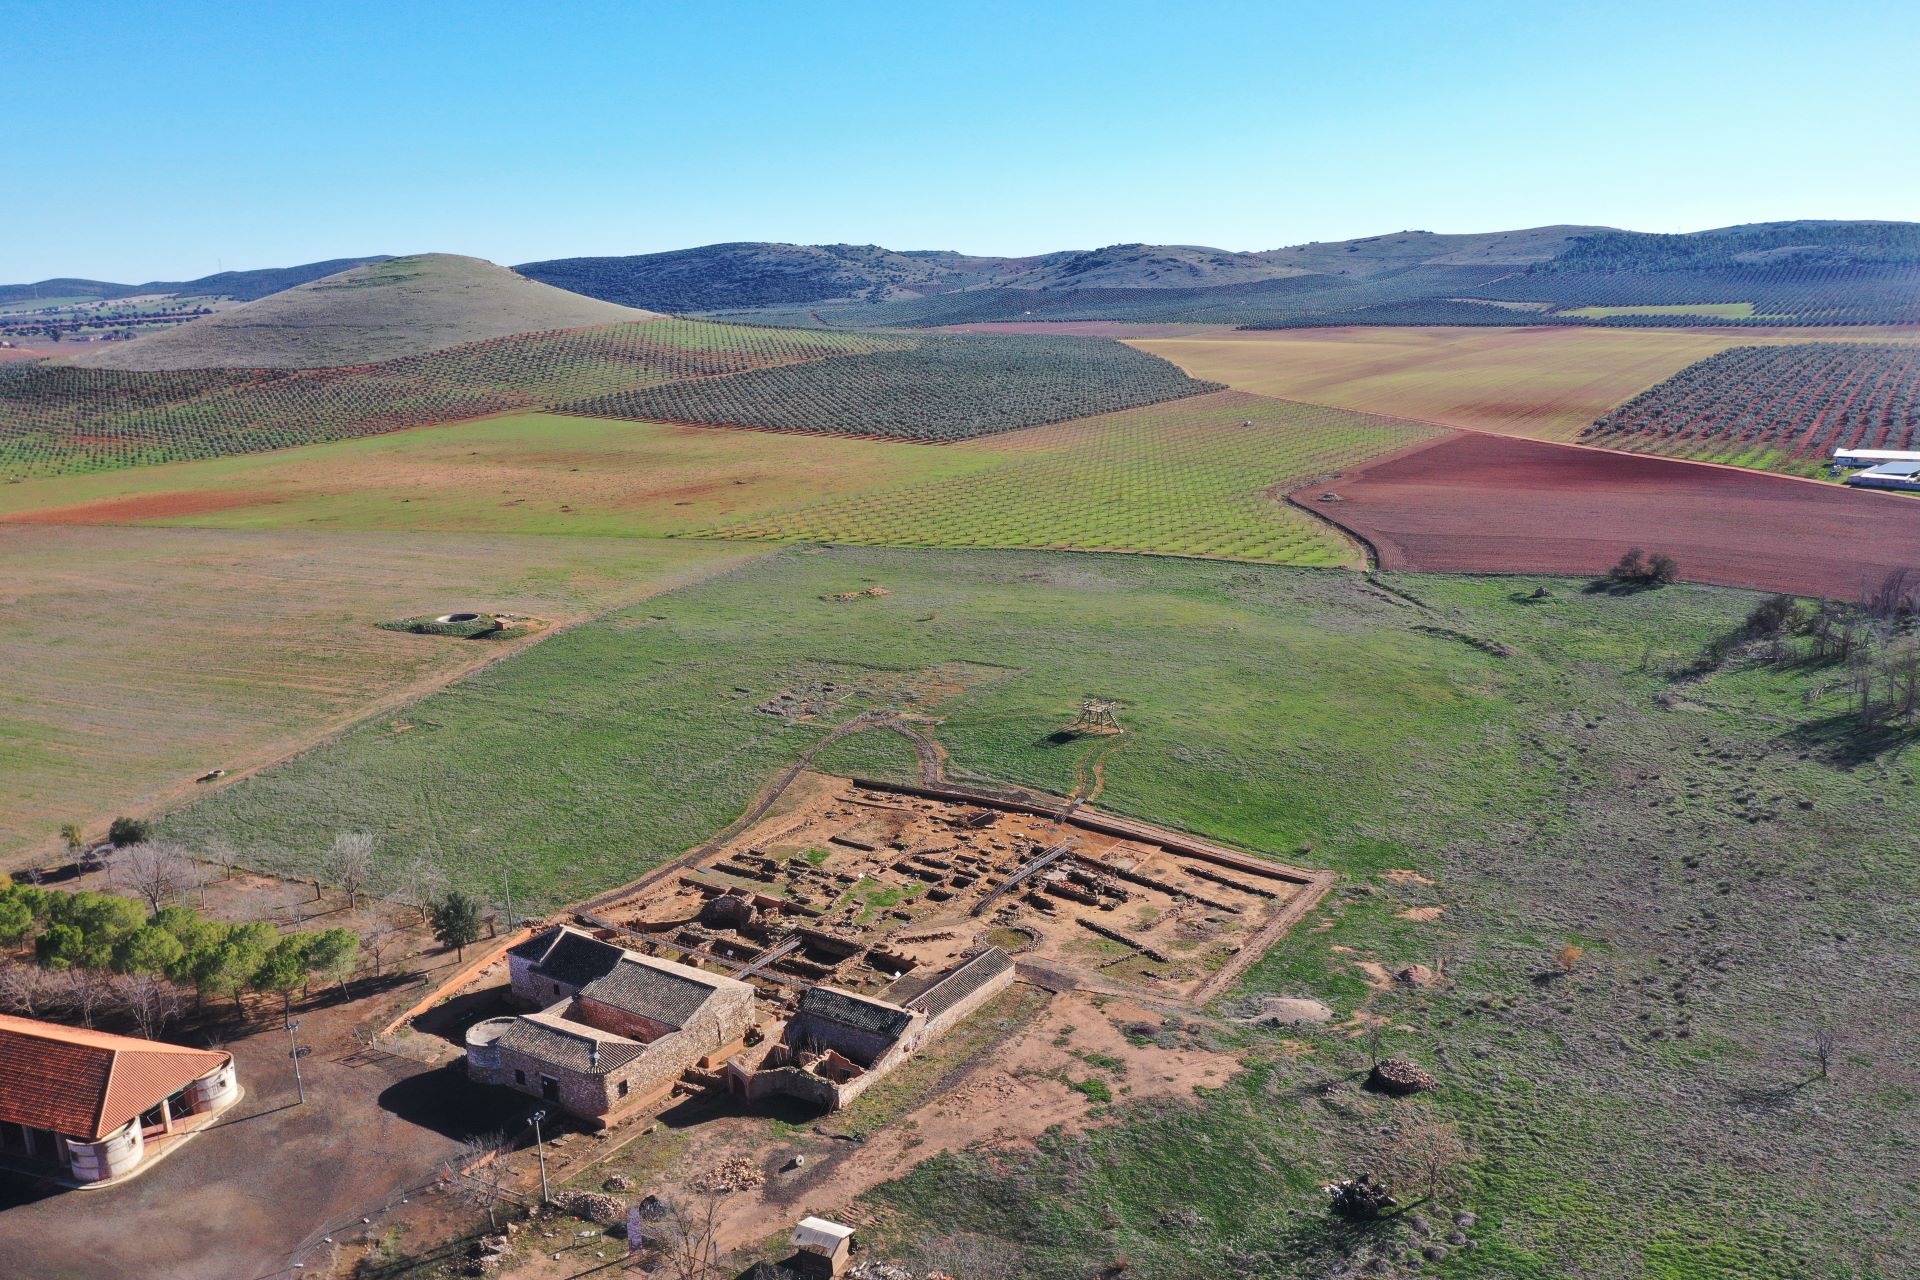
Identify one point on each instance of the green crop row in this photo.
(1188, 478)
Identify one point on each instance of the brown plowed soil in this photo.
(1485, 504)
(144, 506)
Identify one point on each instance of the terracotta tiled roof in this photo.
(86, 1084)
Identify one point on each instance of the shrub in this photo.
(126, 831)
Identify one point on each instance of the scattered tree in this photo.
(334, 955)
(1824, 1044)
(149, 1000)
(126, 831)
(456, 922)
(284, 969)
(155, 870)
(484, 1173)
(1424, 1155)
(686, 1239)
(350, 864)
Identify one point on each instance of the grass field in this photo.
(1542, 383)
(519, 473)
(139, 659)
(1718, 310)
(1186, 478)
(1647, 1111)
(1189, 477)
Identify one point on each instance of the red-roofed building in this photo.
(94, 1106)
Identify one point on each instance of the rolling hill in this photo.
(739, 276)
(242, 286)
(377, 312)
(1805, 272)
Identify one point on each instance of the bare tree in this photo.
(153, 869)
(1824, 1043)
(376, 944)
(88, 993)
(350, 864)
(218, 852)
(484, 1173)
(1424, 1156)
(686, 1240)
(421, 885)
(150, 1000)
(30, 991)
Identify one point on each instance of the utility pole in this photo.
(506, 880)
(293, 1051)
(540, 1145)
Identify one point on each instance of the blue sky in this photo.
(153, 141)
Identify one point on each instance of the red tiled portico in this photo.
(92, 1107)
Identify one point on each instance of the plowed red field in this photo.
(1487, 504)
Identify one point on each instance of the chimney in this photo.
(593, 1057)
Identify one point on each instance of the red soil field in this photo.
(1472, 503)
(143, 506)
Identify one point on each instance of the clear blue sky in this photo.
(153, 141)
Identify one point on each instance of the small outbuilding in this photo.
(821, 1248)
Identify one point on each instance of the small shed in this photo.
(821, 1248)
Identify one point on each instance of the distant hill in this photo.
(724, 276)
(381, 311)
(243, 286)
(739, 277)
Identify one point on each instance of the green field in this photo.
(1717, 310)
(1735, 868)
(1188, 478)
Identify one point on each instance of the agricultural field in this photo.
(1187, 478)
(516, 473)
(1628, 1069)
(139, 659)
(930, 387)
(1781, 408)
(61, 418)
(1539, 382)
(1479, 504)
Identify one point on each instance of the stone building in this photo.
(608, 1029)
(838, 1043)
(91, 1108)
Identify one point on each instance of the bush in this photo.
(126, 831)
(1637, 568)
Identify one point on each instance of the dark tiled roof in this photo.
(568, 956)
(549, 1044)
(963, 982)
(848, 1010)
(650, 990)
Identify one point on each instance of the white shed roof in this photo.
(818, 1233)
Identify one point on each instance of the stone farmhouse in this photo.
(608, 1030)
(92, 1108)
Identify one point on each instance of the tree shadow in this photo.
(1842, 741)
(1615, 587)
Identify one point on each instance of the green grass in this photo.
(1718, 310)
(1650, 1115)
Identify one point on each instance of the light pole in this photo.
(293, 1051)
(540, 1145)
